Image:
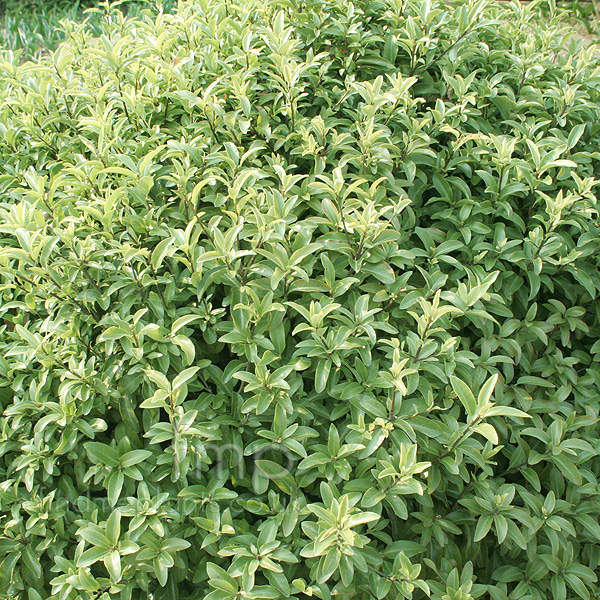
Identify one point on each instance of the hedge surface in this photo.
(301, 298)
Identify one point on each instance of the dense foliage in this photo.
(300, 297)
(33, 27)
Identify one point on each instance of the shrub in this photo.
(300, 298)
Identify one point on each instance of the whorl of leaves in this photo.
(301, 298)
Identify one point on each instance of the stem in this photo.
(123, 103)
(464, 491)
(389, 303)
(462, 437)
(520, 465)
(434, 60)
(160, 292)
(542, 243)
(86, 271)
(82, 306)
(392, 111)
(393, 406)
(339, 207)
(390, 577)
(388, 488)
(501, 176)
(91, 280)
(361, 244)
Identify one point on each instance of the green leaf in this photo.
(322, 374)
(501, 525)
(559, 589)
(577, 586)
(328, 565)
(114, 486)
(134, 457)
(465, 395)
(183, 321)
(160, 252)
(360, 518)
(184, 377)
(484, 524)
(92, 556)
(382, 271)
(567, 468)
(487, 431)
(112, 562)
(159, 379)
(102, 454)
(113, 527)
(486, 391)
(280, 476)
(506, 411)
(93, 535)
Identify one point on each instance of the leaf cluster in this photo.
(299, 298)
